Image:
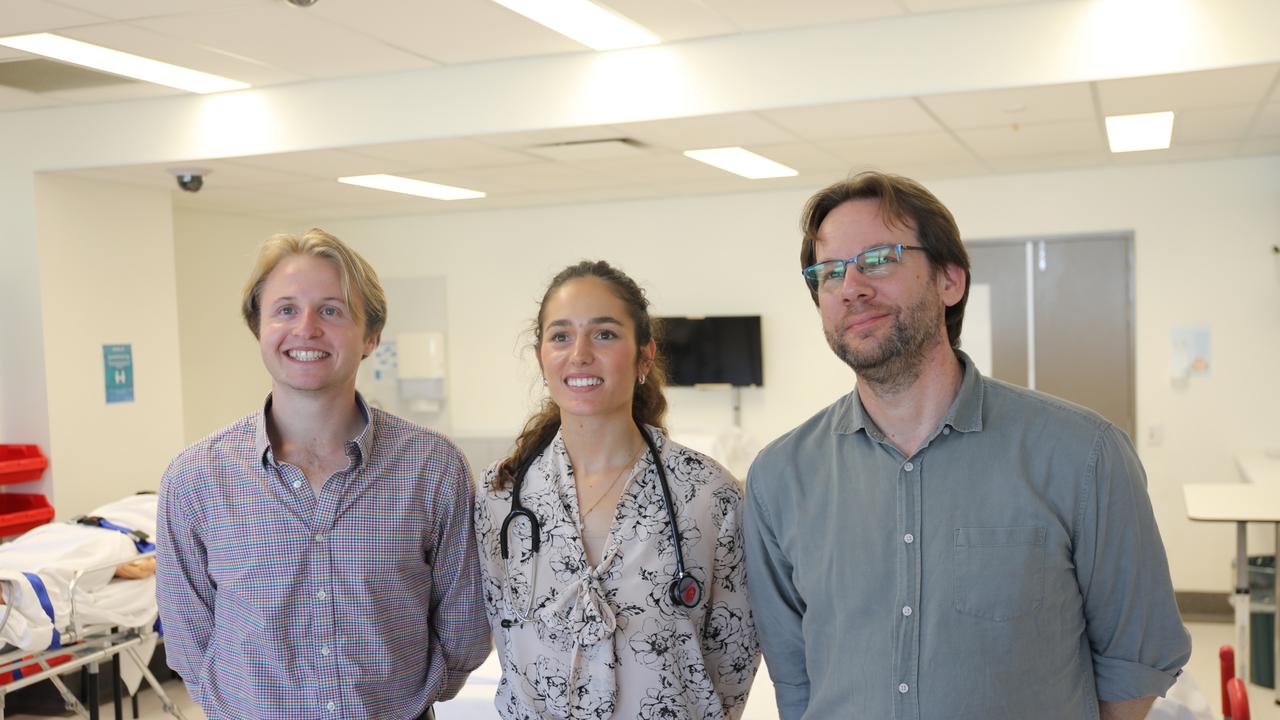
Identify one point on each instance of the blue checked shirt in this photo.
(362, 601)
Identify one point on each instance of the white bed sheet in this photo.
(55, 552)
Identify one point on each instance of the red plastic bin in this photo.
(19, 512)
(21, 463)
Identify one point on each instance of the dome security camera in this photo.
(190, 179)
(301, 3)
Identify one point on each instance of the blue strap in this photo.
(45, 604)
(140, 539)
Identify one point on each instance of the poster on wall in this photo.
(117, 365)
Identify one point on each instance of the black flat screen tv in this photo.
(712, 350)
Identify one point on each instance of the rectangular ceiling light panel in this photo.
(582, 20)
(740, 161)
(97, 57)
(409, 186)
(1147, 131)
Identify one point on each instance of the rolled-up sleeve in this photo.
(1136, 635)
(459, 628)
(184, 590)
(775, 603)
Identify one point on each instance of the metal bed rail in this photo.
(87, 646)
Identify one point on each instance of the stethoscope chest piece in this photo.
(685, 592)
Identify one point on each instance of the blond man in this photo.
(316, 557)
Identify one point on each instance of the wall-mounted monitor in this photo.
(712, 350)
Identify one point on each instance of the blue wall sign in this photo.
(117, 362)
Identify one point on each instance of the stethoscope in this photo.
(684, 590)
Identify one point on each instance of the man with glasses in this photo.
(938, 544)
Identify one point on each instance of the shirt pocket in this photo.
(999, 571)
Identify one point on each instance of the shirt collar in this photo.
(262, 443)
(964, 415)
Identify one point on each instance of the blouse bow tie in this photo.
(582, 612)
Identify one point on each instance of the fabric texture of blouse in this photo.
(606, 641)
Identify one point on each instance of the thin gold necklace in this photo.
(630, 464)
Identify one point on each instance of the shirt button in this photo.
(908, 538)
(330, 706)
(908, 467)
(906, 611)
(324, 650)
(321, 595)
(319, 537)
(297, 484)
(946, 431)
(902, 688)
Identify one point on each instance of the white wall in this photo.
(223, 378)
(107, 277)
(1203, 233)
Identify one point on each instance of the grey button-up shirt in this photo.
(1010, 568)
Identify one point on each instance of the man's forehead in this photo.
(858, 225)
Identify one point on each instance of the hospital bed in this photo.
(65, 607)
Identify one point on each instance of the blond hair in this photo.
(353, 270)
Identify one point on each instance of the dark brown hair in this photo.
(903, 203)
(648, 405)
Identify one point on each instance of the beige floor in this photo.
(475, 701)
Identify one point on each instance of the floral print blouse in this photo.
(606, 641)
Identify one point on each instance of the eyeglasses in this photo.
(875, 262)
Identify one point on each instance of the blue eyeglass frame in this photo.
(810, 273)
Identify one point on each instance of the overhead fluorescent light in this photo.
(742, 162)
(409, 186)
(97, 57)
(596, 27)
(1147, 131)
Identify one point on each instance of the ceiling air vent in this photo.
(580, 150)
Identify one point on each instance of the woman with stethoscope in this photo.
(612, 556)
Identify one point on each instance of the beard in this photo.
(895, 362)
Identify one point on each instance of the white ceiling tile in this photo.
(288, 38)
(706, 132)
(521, 140)
(1044, 163)
(1025, 106)
(1268, 120)
(30, 16)
(1064, 138)
(113, 93)
(178, 51)
(674, 20)
(1177, 153)
(485, 182)
(670, 168)
(541, 177)
(1261, 145)
(930, 6)
(325, 164)
(751, 15)
(1211, 124)
(130, 9)
(15, 99)
(449, 31)
(804, 157)
(931, 171)
(451, 153)
(890, 150)
(851, 120)
(1211, 88)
